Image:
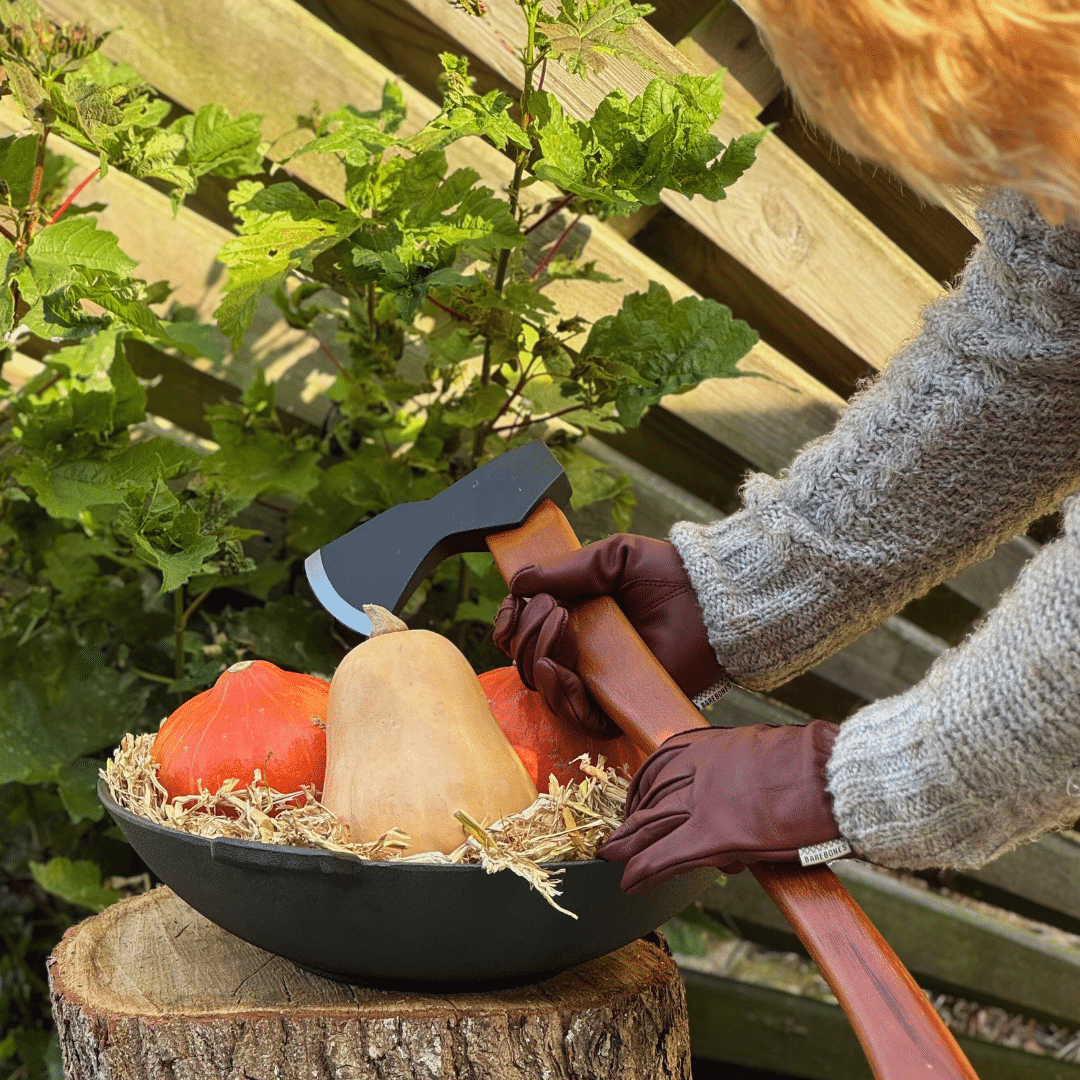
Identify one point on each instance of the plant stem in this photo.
(448, 310)
(194, 605)
(150, 675)
(179, 622)
(554, 248)
(462, 596)
(514, 191)
(35, 192)
(566, 201)
(532, 12)
(323, 348)
(371, 310)
(72, 197)
(8, 234)
(541, 419)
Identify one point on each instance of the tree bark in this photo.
(151, 990)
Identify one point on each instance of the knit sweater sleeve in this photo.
(970, 433)
(984, 753)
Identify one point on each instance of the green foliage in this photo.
(586, 35)
(135, 568)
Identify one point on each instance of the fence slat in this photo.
(1044, 875)
(944, 944)
(764, 1028)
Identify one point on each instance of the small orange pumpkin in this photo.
(545, 743)
(255, 716)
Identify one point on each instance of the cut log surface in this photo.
(151, 989)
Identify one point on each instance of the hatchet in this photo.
(512, 506)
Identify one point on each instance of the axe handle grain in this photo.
(899, 1030)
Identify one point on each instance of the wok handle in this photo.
(898, 1028)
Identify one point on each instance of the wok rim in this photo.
(352, 861)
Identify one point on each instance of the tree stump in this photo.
(151, 990)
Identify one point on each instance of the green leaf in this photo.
(565, 268)
(465, 113)
(18, 154)
(592, 481)
(670, 347)
(633, 149)
(66, 490)
(46, 728)
(121, 299)
(71, 566)
(75, 241)
(263, 464)
(58, 257)
(288, 632)
(281, 229)
(170, 536)
(359, 137)
(76, 882)
(215, 143)
(8, 262)
(77, 786)
(477, 405)
(587, 33)
(196, 340)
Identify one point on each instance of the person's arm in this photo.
(984, 753)
(970, 433)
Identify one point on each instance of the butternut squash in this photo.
(410, 739)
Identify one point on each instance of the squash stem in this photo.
(179, 622)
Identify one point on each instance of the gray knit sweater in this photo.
(971, 432)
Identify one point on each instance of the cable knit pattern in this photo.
(971, 432)
(983, 753)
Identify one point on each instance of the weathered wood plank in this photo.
(1040, 880)
(932, 235)
(763, 1028)
(944, 944)
(781, 219)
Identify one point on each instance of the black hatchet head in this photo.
(383, 560)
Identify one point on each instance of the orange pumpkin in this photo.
(255, 716)
(545, 743)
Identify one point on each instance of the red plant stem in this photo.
(35, 192)
(448, 310)
(550, 213)
(41, 389)
(554, 248)
(526, 421)
(7, 233)
(72, 197)
(543, 72)
(323, 348)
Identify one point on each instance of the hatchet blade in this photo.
(383, 560)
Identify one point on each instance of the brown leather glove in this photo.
(647, 580)
(725, 797)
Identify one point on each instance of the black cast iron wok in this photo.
(415, 925)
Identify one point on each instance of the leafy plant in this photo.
(127, 579)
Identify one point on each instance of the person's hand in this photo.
(647, 579)
(727, 797)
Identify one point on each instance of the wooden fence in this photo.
(831, 262)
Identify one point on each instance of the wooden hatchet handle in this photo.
(901, 1034)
